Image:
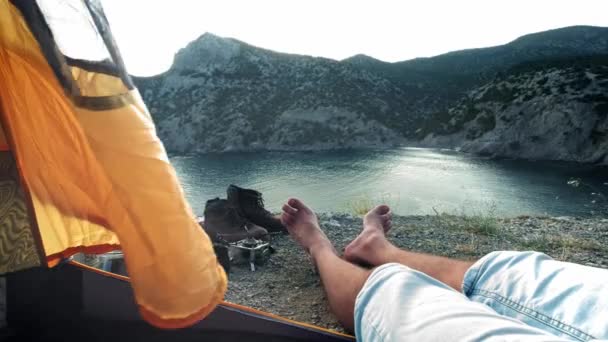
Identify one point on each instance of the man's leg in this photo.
(561, 298)
(396, 303)
(341, 280)
(372, 247)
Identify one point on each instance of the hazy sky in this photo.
(149, 32)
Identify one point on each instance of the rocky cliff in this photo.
(551, 110)
(222, 94)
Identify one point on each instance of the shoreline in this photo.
(173, 154)
(287, 285)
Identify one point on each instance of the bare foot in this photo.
(371, 244)
(380, 216)
(303, 226)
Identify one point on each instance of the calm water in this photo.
(411, 180)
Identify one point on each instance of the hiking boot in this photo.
(221, 219)
(250, 205)
(223, 223)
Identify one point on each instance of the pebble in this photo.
(334, 223)
(563, 218)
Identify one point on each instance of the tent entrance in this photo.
(92, 305)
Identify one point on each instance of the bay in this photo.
(413, 181)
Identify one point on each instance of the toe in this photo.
(289, 209)
(387, 226)
(287, 219)
(389, 214)
(298, 205)
(379, 210)
(382, 209)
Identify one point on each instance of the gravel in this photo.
(287, 285)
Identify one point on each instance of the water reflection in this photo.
(414, 180)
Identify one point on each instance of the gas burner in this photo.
(256, 249)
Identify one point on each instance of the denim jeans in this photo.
(507, 296)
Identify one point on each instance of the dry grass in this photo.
(480, 223)
(471, 247)
(561, 245)
(361, 204)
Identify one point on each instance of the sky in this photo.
(150, 32)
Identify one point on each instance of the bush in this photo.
(496, 94)
(597, 97)
(598, 136)
(514, 145)
(601, 109)
(580, 83)
(542, 81)
(529, 96)
(486, 122)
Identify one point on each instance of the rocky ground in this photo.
(287, 285)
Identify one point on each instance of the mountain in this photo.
(554, 110)
(475, 63)
(223, 94)
(364, 62)
(553, 44)
(450, 74)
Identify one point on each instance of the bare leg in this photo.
(372, 247)
(341, 280)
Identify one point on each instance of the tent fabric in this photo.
(98, 307)
(3, 142)
(99, 177)
(18, 248)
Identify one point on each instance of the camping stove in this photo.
(253, 249)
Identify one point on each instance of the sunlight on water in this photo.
(412, 180)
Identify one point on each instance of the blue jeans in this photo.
(507, 296)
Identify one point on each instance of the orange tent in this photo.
(94, 173)
(82, 170)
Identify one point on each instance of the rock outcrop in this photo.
(541, 96)
(555, 111)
